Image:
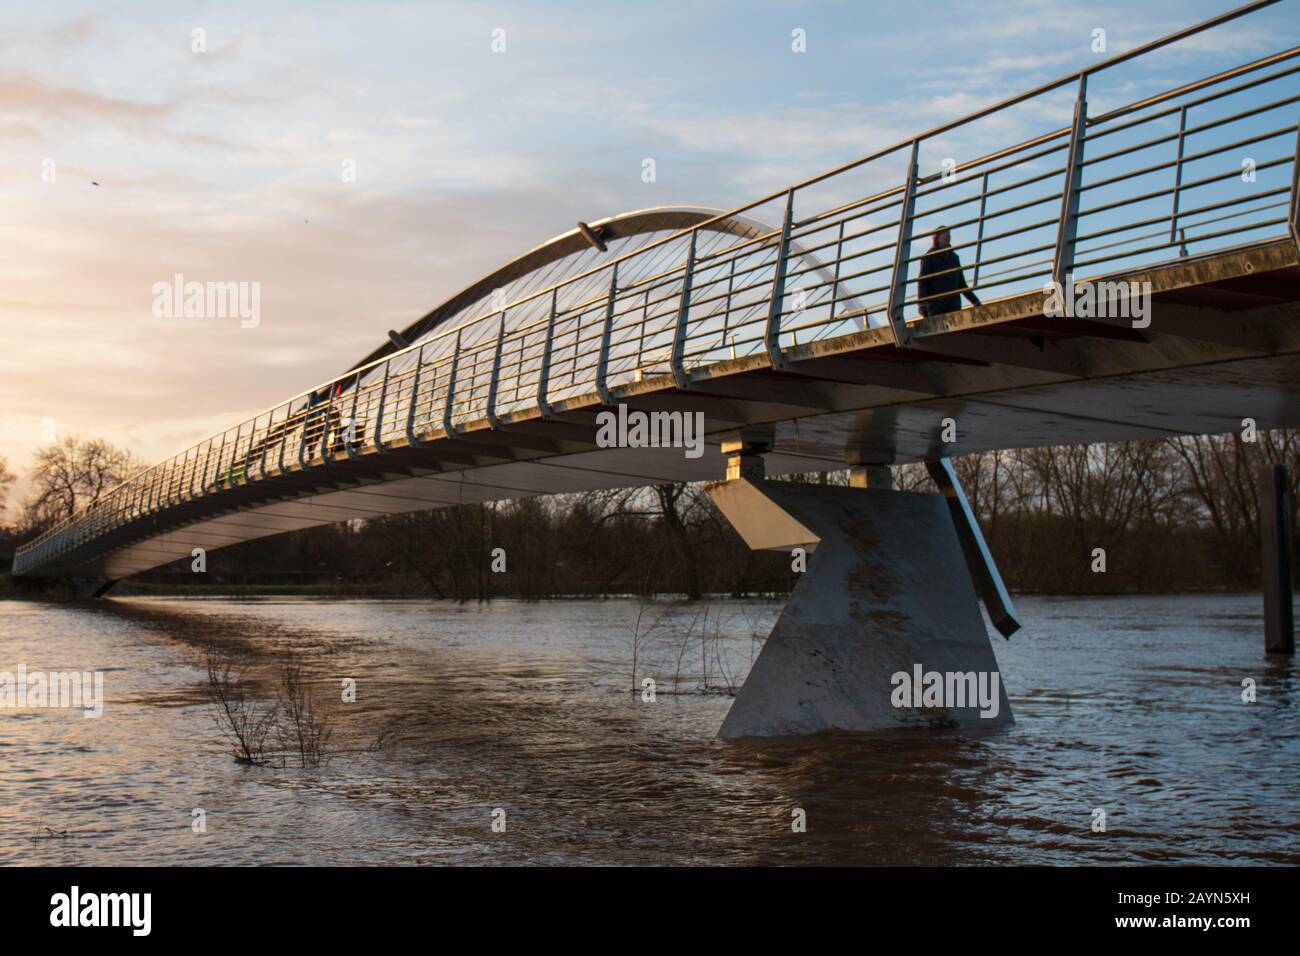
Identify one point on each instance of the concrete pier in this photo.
(886, 591)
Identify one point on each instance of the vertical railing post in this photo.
(181, 491)
(602, 364)
(326, 453)
(143, 497)
(195, 472)
(677, 360)
(726, 312)
(772, 331)
(448, 423)
(179, 484)
(350, 426)
(378, 437)
(494, 382)
(284, 435)
(266, 440)
(979, 233)
(903, 254)
(164, 490)
(835, 279)
(197, 487)
(1178, 176)
(1063, 261)
(215, 476)
(544, 378)
(241, 456)
(411, 439)
(307, 421)
(640, 342)
(159, 487)
(1295, 192)
(234, 454)
(221, 454)
(201, 469)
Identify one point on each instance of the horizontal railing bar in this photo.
(1202, 84)
(1190, 130)
(1185, 187)
(1191, 239)
(1183, 215)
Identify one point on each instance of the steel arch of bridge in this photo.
(613, 229)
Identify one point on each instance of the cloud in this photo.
(18, 130)
(74, 32)
(20, 94)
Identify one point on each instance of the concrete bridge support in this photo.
(886, 592)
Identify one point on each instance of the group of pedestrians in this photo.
(320, 423)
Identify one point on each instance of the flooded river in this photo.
(523, 714)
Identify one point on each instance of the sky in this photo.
(220, 136)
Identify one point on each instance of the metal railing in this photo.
(1135, 186)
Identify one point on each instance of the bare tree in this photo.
(683, 643)
(407, 538)
(715, 639)
(677, 503)
(71, 474)
(304, 729)
(1221, 471)
(641, 632)
(246, 722)
(6, 479)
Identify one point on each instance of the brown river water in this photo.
(1132, 705)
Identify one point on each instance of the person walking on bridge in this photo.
(316, 421)
(942, 282)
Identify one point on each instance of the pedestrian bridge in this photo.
(798, 318)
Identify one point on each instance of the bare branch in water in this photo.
(247, 723)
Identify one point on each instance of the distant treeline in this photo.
(1169, 515)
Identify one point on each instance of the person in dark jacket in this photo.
(942, 282)
(316, 421)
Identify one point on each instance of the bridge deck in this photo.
(1007, 379)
